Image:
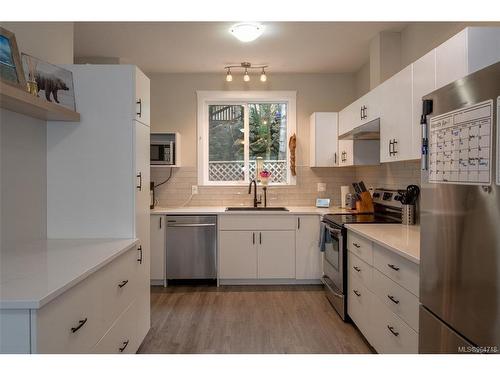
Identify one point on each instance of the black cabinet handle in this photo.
(139, 176)
(390, 147)
(160, 222)
(81, 323)
(260, 238)
(123, 283)
(394, 143)
(393, 299)
(361, 113)
(395, 333)
(356, 292)
(357, 269)
(140, 108)
(356, 245)
(140, 252)
(395, 268)
(366, 112)
(125, 344)
(298, 223)
(253, 238)
(335, 158)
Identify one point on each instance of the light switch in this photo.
(321, 186)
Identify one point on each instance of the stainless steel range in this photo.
(387, 209)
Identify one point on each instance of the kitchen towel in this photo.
(324, 237)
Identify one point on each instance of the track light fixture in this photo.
(246, 66)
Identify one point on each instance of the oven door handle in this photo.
(331, 286)
(334, 230)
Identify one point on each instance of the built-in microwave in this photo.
(162, 153)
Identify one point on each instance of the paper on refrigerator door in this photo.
(460, 146)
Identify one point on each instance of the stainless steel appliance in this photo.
(460, 236)
(387, 209)
(162, 152)
(191, 247)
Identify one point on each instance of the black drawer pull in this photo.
(81, 323)
(356, 245)
(139, 249)
(123, 283)
(356, 292)
(395, 333)
(395, 268)
(393, 299)
(125, 344)
(357, 269)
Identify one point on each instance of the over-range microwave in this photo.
(162, 153)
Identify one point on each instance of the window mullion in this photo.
(246, 148)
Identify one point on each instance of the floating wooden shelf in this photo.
(16, 100)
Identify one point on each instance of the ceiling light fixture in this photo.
(246, 66)
(247, 31)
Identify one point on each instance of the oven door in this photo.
(333, 270)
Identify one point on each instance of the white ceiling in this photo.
(178, 47)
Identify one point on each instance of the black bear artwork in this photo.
(50, 84)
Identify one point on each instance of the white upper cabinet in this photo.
(349, 117)
(142, 97)
(424, 82)
(396, 117)
(323, 135)
(470, 50)
(362, 111)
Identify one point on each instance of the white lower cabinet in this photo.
(382, 297)
(158, 248)
(283, 248)
(103, 313)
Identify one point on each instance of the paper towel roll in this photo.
(344, 190)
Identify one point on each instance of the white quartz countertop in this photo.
(222, 211)
(35, 273)
(402, 239)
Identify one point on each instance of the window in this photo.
(240, 132)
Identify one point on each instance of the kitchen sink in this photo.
(257, 209)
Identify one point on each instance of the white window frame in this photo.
(205, 98)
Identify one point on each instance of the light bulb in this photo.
(263, 77)
(246, 77)
(229, 77)
(247, 32)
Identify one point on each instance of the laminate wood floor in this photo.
(247, 319)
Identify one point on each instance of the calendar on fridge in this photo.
(460, 145)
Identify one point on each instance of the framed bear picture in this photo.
(53, 83)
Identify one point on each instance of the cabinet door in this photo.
(142, 220)
(350, 117)
(308, 259)
(237, 254)
(142, 94)
(370, 105)
(424, 82)
(396, 116)
(451, 59)
(276, 255)
(157, 247)
(323, 136)
(346, 156)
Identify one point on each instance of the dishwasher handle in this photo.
(191, 225)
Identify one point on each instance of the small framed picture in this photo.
(11, 69)
(53, 83)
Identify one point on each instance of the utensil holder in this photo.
(408, 214)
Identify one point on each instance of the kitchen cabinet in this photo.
(308, 258)
(424, 82)
(323, 134)
(362, 111)
(396, 117)
(158, 247)
(471, 49)
(276, 255)
(237, 255)
(358, 152)
(383, 295)
(142, 98)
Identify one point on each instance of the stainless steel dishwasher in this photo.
(191, 247)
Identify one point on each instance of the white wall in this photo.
(23, 148)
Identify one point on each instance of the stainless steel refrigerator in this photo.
(460, 217)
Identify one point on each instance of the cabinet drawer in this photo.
(257, 222)
(390, 334)
(70, 323)
(396, 298)
(121, 338)
(358, 304)
(360, 247)
(359, 269)
(118, 281)
(397, 268)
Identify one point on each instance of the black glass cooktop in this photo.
(359, 219)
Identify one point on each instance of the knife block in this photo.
(365, 204)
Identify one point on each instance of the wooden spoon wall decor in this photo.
(292, 144)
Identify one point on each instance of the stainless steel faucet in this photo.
(255, 201)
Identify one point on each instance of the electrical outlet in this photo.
(321, 186)
(194, 189)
